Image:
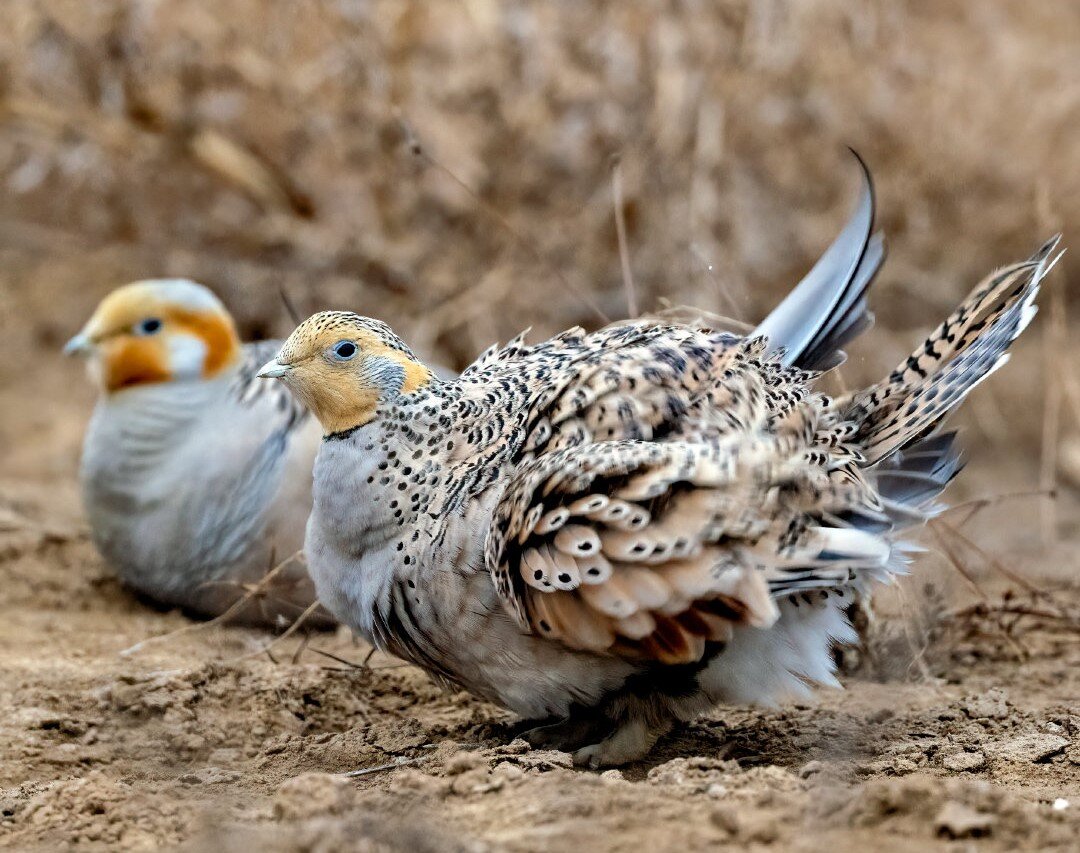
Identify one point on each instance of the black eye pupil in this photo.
(150, 326)
(345, 349)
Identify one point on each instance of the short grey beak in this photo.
(272, 370)
(78, 345)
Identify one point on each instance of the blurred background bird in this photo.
(196, 479)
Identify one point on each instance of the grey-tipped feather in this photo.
(828, 307)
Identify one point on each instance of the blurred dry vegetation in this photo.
(448, 165)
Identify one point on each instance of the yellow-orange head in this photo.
(340, 365)
(158, 330)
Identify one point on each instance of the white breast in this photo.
(184, 485)
(446, 606)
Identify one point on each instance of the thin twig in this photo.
(233, 609)
(977, 505)
(300, 648)
(954, 558)
(292, 629)
(1071, 387)
(345, 661)
(959, 565)
(399, 762)
(984, 608)
(620, 230)
(917, 649)
(364, 666)
(1054, 345)
(290, 309)
(994, 562)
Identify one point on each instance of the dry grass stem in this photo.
(1054, 344)
(993, 561)
(958, 563)
(288, 632)
(401, 761)
(222, 618)
(620, 230)
(976, 505)
(421, 153)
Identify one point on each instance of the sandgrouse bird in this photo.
(611, 532)
(196, 478)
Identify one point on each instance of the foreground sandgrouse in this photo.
(196, 478)
(610, 532)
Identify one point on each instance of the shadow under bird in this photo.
(196, 478)
(609, 533)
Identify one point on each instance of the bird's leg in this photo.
(633, 737)
(569, 734)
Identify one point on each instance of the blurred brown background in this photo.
(448, 165)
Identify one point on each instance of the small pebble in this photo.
(726, 818)
(612, 777)
(1031, 748)
(809, 769)
(463, 762)
(956, 820)
(992, 705)
(963, 761)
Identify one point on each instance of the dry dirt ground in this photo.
(959, 722)
(447, 166)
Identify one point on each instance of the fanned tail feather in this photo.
(903, 458)
(909, 481)
(907, 462)
(970, 345)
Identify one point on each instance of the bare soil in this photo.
(955, 725)
(447, 166)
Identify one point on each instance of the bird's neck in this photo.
(353, 488)
(389, 381)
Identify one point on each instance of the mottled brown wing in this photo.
(653, 549)
(610, 547)
(637, 382)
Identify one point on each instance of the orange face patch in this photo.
(128, 361)
(215, 330)
(339, 394)
(416, 375)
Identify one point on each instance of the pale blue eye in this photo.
(149, 326)
(344, 350)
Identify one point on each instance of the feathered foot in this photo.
(633, 738)
(570, 734)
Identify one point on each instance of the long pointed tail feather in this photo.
(828, 307)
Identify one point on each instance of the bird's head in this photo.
(341, 365)
(158, 330)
